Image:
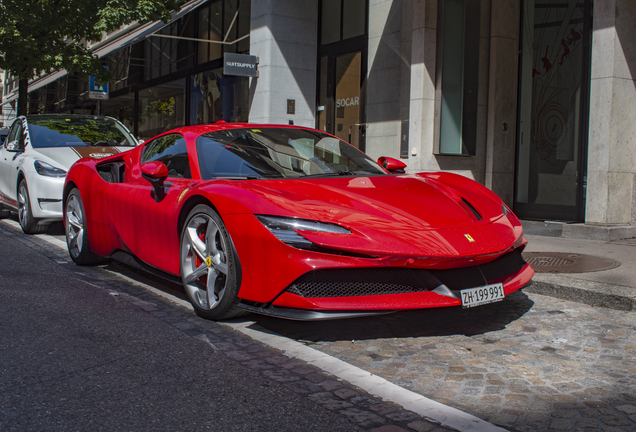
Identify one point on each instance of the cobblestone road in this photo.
(529, 363)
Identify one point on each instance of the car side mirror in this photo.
(14, 146)
(156, 173)
(392, 165)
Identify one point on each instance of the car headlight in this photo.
(284, 229)
(48, 170)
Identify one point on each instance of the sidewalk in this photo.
(614, 288)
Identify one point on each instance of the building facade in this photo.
(531, 98)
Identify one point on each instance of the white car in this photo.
(38, 152)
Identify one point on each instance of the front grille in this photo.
(398, 280)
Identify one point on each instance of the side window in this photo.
(16, 132)
(15, 135)
(172, 151)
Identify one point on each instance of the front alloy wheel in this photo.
(28, 223)
(75, 227)
(208, 267)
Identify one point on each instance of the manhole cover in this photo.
(563, 262)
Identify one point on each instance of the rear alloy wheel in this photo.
(208, 267)
(75, 228)
(28, 223)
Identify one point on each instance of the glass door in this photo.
(340, 105)
(553, 110)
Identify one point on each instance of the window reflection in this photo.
(161, 108)
(217, 97)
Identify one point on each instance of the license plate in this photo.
(482, 295)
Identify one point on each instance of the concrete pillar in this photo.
(422, 88)
(283, 36)
(502, 98)
(383, 87)
(612, 142)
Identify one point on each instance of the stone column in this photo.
(283, 36)
(422, 86)
(502, 98)
(610, 211)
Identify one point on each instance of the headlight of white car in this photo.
(48, 170)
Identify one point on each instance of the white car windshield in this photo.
(77, 132)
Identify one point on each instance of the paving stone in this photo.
(565, 414)
(421, 426)
(587, 423)
(384, 408)
(362, 418)
(280, 375)
(346, 393)
(328, 401)
(402, 415)
(629, 409)
(616, 421)
(363, 401)
(302, 386)
(330, 385)
(561, 425)
(389, 428)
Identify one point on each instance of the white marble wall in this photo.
(283, 36)
(611, 193)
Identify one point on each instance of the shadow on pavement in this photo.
(415, 323)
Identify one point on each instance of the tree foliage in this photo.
(41, 36)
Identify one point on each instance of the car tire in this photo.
(206, 251)
(29, 224)
(4, 213)
(75, 229)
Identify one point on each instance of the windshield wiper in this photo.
(236, 178)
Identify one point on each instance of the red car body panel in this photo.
(421, 221)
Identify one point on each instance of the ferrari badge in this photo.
(208, 261)
(470, 239)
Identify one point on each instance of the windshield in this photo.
(77, 132)
(279, 153)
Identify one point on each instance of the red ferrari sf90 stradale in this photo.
(292, 222)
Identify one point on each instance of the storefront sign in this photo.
(240, 65)
(352, 101)
(97, 91)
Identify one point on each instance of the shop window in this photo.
(457, 77)
(215, 97)
(121, 108)
(223, 21)
(342, 20)
(210, 28)
(161, 108)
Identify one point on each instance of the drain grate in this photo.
(563, 262)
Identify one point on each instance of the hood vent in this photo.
(472, 209)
